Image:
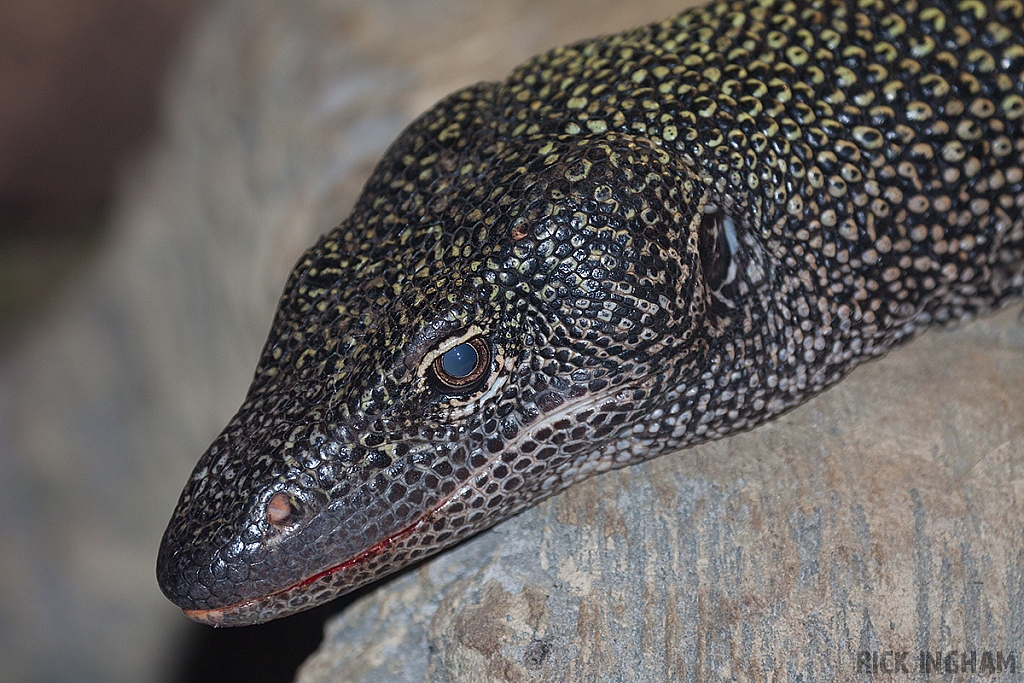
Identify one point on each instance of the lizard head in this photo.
(498, 318)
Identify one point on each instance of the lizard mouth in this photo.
(317, 588)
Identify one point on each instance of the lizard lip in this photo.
(275, 604)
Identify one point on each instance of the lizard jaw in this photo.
(398, 550)
(315, 589)
(403, 547)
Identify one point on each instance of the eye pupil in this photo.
(460, 361)
(462, 369)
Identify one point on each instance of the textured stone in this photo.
(886, 514)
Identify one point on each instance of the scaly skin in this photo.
(648, 240)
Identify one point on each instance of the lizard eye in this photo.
(463, 369)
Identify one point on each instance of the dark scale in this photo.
(630, 246)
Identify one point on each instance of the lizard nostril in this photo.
(279, 509)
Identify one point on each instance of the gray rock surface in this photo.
(886, 514)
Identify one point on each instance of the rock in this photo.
(886, 514)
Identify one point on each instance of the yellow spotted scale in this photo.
(631, 245)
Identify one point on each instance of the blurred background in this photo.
(80, 83)
(83, 86)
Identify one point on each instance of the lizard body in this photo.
(631, 245)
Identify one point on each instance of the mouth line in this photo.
(218, 615)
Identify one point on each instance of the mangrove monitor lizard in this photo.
(631, 245)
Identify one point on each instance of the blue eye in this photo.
(460, 361)
(463, 369)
